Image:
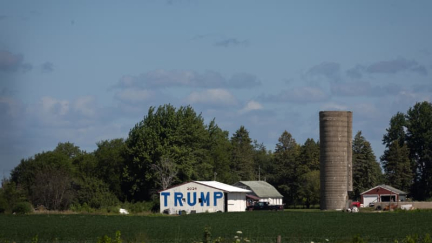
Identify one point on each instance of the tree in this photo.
(366, 170)
(166, 170)
(396, 131)
(288, 169)
(242, 155)
(310, 189)
(419, 141)
(52, 188)
(310, 154)
(397, 166)
(178, 134)
(110, 160)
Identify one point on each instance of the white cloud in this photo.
(250, 106)
(85, 105)
(217, 97)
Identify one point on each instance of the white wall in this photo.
(187, 197)
(236, 202)
(273, 201)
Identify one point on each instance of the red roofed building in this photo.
(382, 193)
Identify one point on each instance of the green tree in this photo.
(110, 156)
(419, 141)
(396, 131)
(310, 188)
(178, 134)
(242, 155)
(397, 166)
(366, 170)
(219, 148)
(310, 154)
(287, 168)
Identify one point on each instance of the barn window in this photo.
(199, 200)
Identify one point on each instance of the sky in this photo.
(87, 71)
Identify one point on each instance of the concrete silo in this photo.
(335, 158)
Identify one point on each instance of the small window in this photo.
(199, 200)
(184, 199)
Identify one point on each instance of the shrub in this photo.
(23, 208)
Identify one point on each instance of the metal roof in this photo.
(387, 187)
(261, 188)
(222, 186)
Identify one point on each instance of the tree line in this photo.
(174, 145)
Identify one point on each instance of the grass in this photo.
(293, 226)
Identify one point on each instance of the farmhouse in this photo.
(382, 193)
(261, 191)
(202, 196)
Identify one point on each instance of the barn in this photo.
(382, 193)
(262, 191)
(202, 196)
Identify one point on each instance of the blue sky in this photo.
(85, 71)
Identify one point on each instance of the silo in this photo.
(335, 158)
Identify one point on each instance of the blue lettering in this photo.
(205, 199)
(165, 195)
(216, 196)
(189, 197)
(178, 196)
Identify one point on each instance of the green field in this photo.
(293, 226)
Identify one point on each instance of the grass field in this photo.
(293, 226)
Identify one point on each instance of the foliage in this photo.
(419, 140)
(288, 169)
(366, 170)
(310, 189)
(166, 132)
(94, 192)
(107, 239)
(23, 208)
(397, 166)
(242, 155)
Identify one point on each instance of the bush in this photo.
(23, 208)
(139, 207)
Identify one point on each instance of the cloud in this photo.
(388, 67)
(251, 106)
(397, 65)
(231, 42)
(329, 70)
(161, 78)
(10, 62)
(363, 88)
(135, 95)
(356, 72)
(47, 67)
(213, 97)
(298, 95)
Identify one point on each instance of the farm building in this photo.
(203, 196)
(261, 191)
(382, 193)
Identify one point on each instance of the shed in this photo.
(382, 193)
(202, 196)
(262, 191)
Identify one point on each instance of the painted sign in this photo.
(191, 198)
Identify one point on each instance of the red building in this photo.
(382, 193)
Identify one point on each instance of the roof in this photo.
(387, 187)
(262, 189)
(222, 186)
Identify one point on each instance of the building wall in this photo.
(379, 192)
(200, 198)
(273, 201)
(236, 202)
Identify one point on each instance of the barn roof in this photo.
(261, 188)
(222, 186)
(387, 187)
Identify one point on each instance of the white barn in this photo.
(203, 196)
